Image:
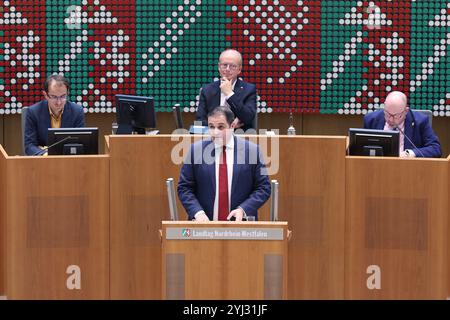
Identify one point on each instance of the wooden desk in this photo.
(448, 232)
(57, 226)
(397, 228)
(311, 175)
(347, 214)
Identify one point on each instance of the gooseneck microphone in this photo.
(40, 152)
(410, 141)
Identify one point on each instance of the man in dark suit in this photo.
(239, 95)
(53, 112)
(225, 176)
(420, 140)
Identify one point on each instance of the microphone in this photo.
(40, 152)
(410, 141)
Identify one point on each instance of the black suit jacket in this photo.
(242, 102)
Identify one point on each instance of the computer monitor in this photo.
(134, 114)
(373, 142)
(72, 141)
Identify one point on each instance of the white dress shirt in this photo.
(401, 145)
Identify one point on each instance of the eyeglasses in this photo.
(219, 127)
(56, 98)
(388, 115)
(225, 66)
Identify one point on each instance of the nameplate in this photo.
(224, 233)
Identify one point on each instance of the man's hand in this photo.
(237, 123)
(225, 86)
(237, 213)
(405, 154)
(201, 217)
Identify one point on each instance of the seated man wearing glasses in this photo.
(53, 112)
(230, 91)
(417, 138)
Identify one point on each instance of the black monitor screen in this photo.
(373, 142)
(72, 141)
(134, 114)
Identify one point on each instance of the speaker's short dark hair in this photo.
(223, 110)
(56, 78)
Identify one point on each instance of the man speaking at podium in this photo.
(223, 178)
(53, 112)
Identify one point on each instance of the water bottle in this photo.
(291, 129)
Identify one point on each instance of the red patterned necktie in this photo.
(223, 187)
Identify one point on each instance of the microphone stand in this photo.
(410, 141)
(40, 152)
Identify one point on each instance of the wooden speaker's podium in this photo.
(224, 260)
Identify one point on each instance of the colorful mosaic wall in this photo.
(304, 56)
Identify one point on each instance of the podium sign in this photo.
(224, 234)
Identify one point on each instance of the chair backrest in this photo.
(23, 119)
(428, 113)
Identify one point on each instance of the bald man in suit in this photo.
(420, 140)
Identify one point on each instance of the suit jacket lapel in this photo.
(238, 88)
(45, 115)
(216, 95)
(381, 121)
(239, 149)
(211, 167)
(409, 130)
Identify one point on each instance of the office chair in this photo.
(426, 112)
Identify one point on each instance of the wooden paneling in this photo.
(3, 187)
(12, 135)
(2, 127)
(140, 166)
(305, 124)
(311, 199)
(57, 217)
(397, 221)
(448, 232)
